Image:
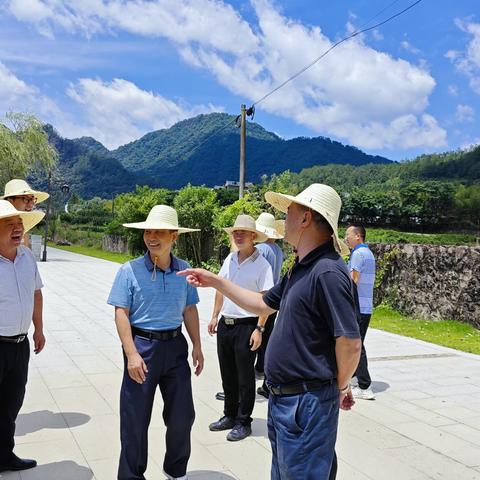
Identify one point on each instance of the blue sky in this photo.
(116, 69)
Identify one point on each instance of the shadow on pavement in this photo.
(64, 470)
(378, 387)
(35, 421)
(208, 475)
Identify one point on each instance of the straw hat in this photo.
(246, 222)
(17, 187)
(30, 219)
(266, 224)
(321, 198)
(161, 217)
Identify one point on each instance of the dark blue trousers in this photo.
(13, 379)
(168, 369)
(303, 430)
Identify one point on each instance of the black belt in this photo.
(15, 339)
(238, 321)
(157, 334)
(279, 390)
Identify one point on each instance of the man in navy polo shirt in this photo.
(151, 303)
(315, 344)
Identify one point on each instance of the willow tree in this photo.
(24, 147)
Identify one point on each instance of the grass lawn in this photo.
(448, 333)
(94, 252)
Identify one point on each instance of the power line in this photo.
(354, 34)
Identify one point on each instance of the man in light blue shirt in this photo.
(267, 224)
(151, 303)
(362, 270)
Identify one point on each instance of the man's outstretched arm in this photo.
(246, 299)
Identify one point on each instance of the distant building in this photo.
(232, 185)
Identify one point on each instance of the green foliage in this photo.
(135, 207)
(196, 208)
(24, 147)
(93, 212)
(448, 333)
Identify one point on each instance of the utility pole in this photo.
(243, 134)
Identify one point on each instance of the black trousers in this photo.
(168, 370)
(13, 379)
(362, 374)
(237, 369)
(269, 324)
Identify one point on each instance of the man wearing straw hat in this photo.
(151, 303)
(20, 305)
(239, 331)
(315, 345)
(267, 224)
(23, 197)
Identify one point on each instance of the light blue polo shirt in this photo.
(274, 256)
(363, 261)
(153, 304)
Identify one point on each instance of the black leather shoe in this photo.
(225, 423)
(220, 396)
(239, 432)
(17, 464)
(263, 391)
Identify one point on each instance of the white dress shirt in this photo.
(18, 281)
(254, 273)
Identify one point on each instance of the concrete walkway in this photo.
(424, 424)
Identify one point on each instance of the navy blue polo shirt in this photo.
(316, 303)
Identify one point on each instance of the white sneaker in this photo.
(363, 393)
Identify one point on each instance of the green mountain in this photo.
(203, 150)
(192, 151)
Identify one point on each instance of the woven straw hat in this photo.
(321, 198)
(161, 217)
(17, 187)
(30, 219)
(267, 224)
(246, 222)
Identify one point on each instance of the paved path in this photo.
(424, 424)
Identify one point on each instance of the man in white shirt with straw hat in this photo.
(21, 304)
(23, 197)
(315, 345)
(267, 224)
(239, 331)
(151, 304)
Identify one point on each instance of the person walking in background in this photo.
(362, 270)
(267, 224)
(239, 331)
(315, 345)
(151, 303)
(21, 303)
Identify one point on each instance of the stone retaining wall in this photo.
(114, 243)
(430, 281)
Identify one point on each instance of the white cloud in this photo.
(17, 95)
(468, 61)
(355, 93)
(118, 112)
(409, 47)
(453, 90)
(464, 113)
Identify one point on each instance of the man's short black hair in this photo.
(359, 230)
(319, 220)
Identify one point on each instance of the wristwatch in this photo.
(260, 328)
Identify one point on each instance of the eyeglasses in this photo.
(27, 200)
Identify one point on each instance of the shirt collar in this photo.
(173, 263)
(20, 253)
(318, 252)
(251, 258)
(360, 245)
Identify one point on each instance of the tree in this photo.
(196, 208)
(24, 147)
